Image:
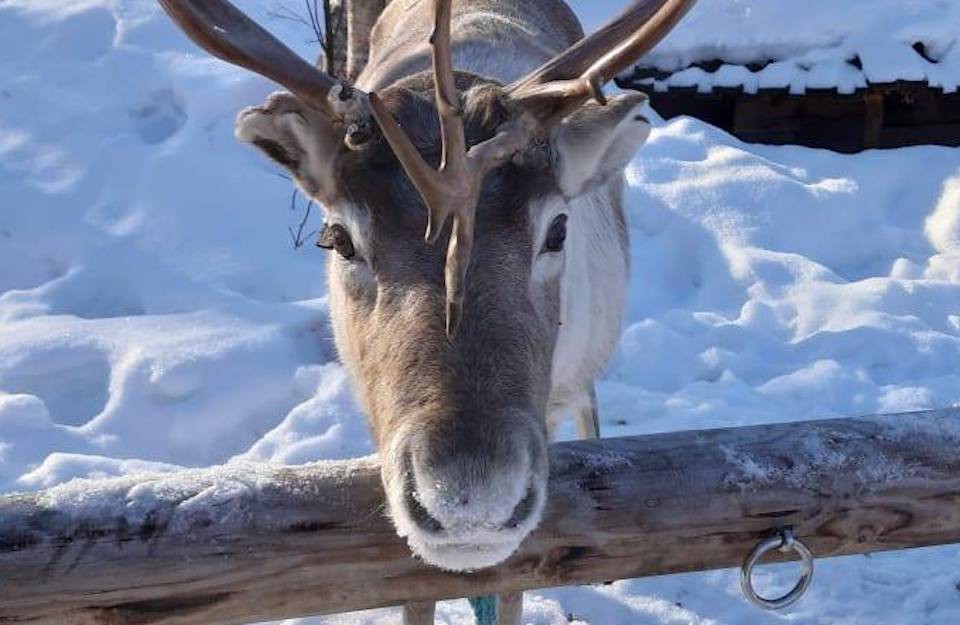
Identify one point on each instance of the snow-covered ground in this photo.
(154, 313)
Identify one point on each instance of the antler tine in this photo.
(446, 190)
(453, 189)
(228, 34)
(575, 75)
(454, 157)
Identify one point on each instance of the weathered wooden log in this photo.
(247, 543)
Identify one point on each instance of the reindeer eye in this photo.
(336, 237)
(556, 235)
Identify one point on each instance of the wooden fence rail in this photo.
(248, 543)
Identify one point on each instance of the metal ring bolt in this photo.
(785, 542)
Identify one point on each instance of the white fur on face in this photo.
(353, 277)
(592, 270)
(546, 266)
(354, 220)
(592, 293)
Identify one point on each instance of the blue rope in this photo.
(484, 609)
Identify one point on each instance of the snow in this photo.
(818, 455)
(143, 488)
(815, 44)
(154, 315)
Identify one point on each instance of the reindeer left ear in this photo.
(597, 141)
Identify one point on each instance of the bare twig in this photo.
(283, 12)
(320, 17)
(314, 14)
(297, 237)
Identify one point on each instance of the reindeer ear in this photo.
(597, 141)
(296, 137)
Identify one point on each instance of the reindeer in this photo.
(483, 124)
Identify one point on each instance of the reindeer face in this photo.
(459, 421)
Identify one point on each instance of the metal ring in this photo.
(785, 542)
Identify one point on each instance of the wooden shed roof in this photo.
(785, 45)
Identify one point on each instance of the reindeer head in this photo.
(449, 335)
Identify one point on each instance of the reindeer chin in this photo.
(470, 548)
(462, 557)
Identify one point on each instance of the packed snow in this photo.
(816, 44)
(155, 313)
(190, 498)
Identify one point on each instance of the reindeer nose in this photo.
(462, 498)
(466, 499)
(426, 522)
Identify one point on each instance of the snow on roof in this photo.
(815, 44)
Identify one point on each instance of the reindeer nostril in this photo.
(523, 510)
(420, 515)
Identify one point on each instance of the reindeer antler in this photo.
(454, 189)
(579, 72)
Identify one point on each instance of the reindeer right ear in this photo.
(295, 136)
(598, 141)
